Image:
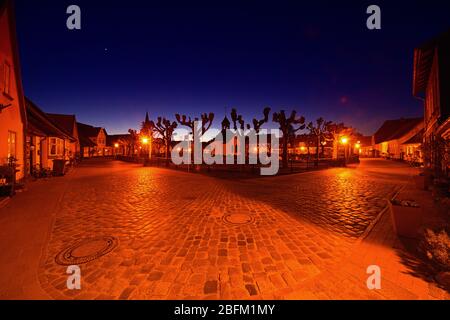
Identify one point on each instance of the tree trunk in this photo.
(317, 152)
(167, 152)
(285, 151)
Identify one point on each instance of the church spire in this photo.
(147, 118)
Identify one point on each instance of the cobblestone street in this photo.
(186, 236)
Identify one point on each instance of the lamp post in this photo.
(148, 142)
(344, 141)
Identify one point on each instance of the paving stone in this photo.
(179, 246)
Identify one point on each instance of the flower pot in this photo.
(406, 219)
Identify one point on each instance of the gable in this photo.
(11, 92)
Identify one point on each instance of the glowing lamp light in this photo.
(358, 146)
(344, 140)
(116, 145)
(145, 140)
(302, 149)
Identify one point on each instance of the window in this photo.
(56, 147)
(12, 140)
(7, 79)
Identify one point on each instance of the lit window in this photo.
(12, 139)
(56, 147)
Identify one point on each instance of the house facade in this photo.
(431, 83)
(397, 139)
(12, 106)
(93, 141)
(46, 142)
(68, 123)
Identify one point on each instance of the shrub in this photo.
(436, 246)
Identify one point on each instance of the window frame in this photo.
(10, 143)
(57, 145)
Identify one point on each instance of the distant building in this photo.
(366, 144)
(396, 139)
(432, 84)
(93, 141)
(12, 104)
(120, 144)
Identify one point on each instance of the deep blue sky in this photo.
(192, 57)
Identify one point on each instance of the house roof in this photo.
(395, 129)
(88, 130)
(423, 61)
(417, 139)
(63, 121)
(40, 124)
(85, 132)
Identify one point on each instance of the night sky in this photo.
(190, 57)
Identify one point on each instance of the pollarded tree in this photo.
(320, 131)
(257, 124)
(237, 119)
(289, 126)
(334, 130)
(206, 123)
(134, 141)
(165, 129)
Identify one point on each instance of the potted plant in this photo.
(406, 217)
(435, 246)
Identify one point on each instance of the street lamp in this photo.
(148, 141)
(344, 140)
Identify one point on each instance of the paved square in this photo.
(150, 233)
(187, 236)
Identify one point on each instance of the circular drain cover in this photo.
(86, 250)
(238, 218)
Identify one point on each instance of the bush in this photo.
(436, 246)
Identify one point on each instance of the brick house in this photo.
(431, 83)
(93, 141)
(68, 123)
(12, 105)
(397, 139)
(46, 141)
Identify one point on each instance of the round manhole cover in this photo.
(238, 219)
(86, 250)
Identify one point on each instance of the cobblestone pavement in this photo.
(186, 236)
